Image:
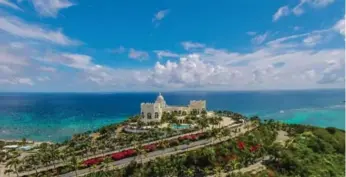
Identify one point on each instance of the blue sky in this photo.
(73, 45)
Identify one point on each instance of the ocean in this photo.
(57, 116)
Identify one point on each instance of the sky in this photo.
(161, 45)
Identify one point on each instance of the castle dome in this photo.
(160, 98)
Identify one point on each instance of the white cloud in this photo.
(299, 9)
(76, 60)
(251, 33)
(190, 72)
(47, 69)
(50, 8)
(160, 15)
(4, 69)
(17, 80)
(312, 40)
(192, 45)
(137, 54)
(9, 4)
(281, 12)
(43, 78)
(17, 27)
(165, 53)
(259, 39)
(296, 28)
(340, 26)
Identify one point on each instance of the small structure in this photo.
(152, 112)
(11, 147)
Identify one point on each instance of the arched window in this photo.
(176, 112)
(184, 113)
(156, 115)
(149, 115)
(179, 112)
(142, 115)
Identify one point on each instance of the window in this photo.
(179, 112)
(142, 115)
(184, 113)
(149, 115)
(156, 115)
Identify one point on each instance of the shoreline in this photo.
(27, 141)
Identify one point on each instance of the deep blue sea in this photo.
(56, 116)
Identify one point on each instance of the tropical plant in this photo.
(14, 163)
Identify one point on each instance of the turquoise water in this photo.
(333, 116)
(57, 116)
(181, 126)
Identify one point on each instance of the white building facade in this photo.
(152, 112)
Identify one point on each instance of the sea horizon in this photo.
(57, 116)
(171, 91)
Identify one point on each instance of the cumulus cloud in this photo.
(50, 8)
(165, 53)
(7, 3)
(281, 12)
(188, 45)
(190, 71)
(138, 54)
(259, 39)
(17, 27)
(312, 40)
(340, 26)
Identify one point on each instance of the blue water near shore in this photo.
(55, 117)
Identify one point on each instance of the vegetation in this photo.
(309, 151)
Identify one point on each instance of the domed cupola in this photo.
(161, 100)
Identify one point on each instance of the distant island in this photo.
(183, 141)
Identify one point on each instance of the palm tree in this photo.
(202, 123)
(107, 161)
(74, 163)
(14, 164)
(164, 144)
(140, 152)
(53, 154)
(34, 160)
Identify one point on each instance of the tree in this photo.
(14, 164)
(140, 152)
(189, 172)
(107, 161)
(74, 163)
(34, 160)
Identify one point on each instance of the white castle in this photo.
(152, 112)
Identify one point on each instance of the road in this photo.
(99, 155)
(159, 153)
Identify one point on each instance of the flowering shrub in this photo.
(93, 161)
(241, 145)
(255, 147)
(150, 147)
(118, 155)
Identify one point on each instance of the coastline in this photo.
(27, 141)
